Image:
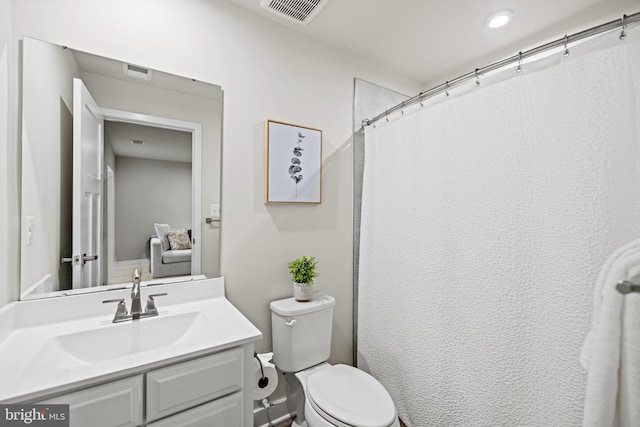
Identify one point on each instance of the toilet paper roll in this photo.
(264, 387)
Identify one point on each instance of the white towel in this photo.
(629, 389)
(611, 353)
(598, 294)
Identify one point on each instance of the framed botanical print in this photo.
(293, 163)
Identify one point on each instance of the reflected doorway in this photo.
(151, 184)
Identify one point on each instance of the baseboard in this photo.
(275, 421)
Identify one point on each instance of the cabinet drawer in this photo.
(224, 412)
(182, 386)
(114, 404)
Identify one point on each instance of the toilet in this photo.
(327, 395)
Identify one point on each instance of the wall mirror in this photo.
(120, 170)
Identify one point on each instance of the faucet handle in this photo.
(151, 304)
(121, 310)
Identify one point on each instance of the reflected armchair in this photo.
(169, 262)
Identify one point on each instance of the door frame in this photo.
(110, 223)
(195, 129)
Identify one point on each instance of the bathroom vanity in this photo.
(187, 365)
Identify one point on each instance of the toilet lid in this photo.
(350, 396)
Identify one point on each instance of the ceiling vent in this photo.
(136, 71)
(300, 11)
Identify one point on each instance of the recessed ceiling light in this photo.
(499, 19)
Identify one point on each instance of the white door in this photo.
(88, 125)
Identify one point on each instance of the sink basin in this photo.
(122, 339)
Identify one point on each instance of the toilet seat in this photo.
(348, 397)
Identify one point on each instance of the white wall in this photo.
(8, 161)
(47, 103)
(149, 191)
(266, 71)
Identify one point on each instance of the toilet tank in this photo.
(301, 332)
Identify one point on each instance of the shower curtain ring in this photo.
(623, 34)
(477, 78)
(566, 49)
(446, 90)
(421, 98)
(386, 115)
(519, 62)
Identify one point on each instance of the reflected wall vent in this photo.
(300, 11)
(136, 71)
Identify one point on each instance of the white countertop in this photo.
(30, 367)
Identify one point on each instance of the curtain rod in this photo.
(564, 41)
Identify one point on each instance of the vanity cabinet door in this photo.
(118, 403)
(185, 385)
(225, 412)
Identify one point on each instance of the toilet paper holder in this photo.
(263, 381)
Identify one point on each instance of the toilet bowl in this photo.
(327, 396)
(344, 396)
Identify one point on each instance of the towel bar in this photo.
(625, 287)
(630, 285)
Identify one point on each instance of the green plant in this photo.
(303, 269)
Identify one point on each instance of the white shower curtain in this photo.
(486, 217)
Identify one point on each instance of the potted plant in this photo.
(303, 271)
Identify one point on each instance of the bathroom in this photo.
(256, 60)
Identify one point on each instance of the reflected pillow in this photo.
(162, 231)
(179, 239)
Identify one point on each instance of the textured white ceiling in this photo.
(436, 40)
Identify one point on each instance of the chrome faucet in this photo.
(136, 307)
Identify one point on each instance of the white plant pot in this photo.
(302, 292)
